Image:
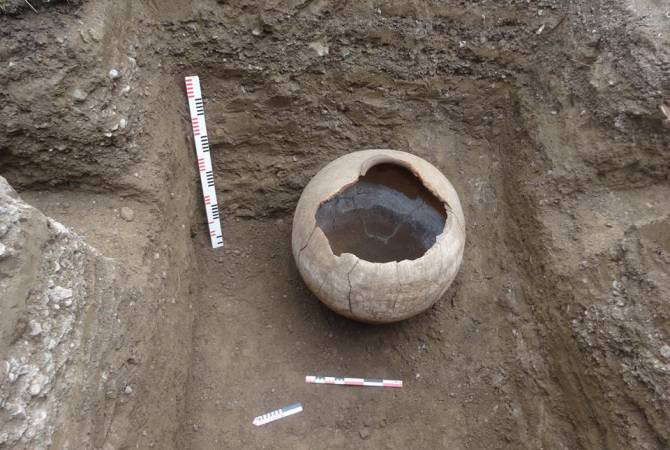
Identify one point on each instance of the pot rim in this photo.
(384, 158)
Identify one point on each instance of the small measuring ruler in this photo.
(204, 161)
(373, 382)
(277, 414)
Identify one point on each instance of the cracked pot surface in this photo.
(378, 235)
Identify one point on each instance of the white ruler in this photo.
(204, 161)
(277, 414)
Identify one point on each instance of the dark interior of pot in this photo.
(387, 215)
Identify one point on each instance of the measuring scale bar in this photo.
(277, 414)
(372, 382)
(199, 126)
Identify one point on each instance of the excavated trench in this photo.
(554, 334)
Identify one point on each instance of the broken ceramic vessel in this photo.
(378, 235)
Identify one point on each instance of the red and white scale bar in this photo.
(375, 382)
(196, 106)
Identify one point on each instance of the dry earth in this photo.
(547, 116)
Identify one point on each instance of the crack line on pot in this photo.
(349, 281)
(309, 239)
(318, 293)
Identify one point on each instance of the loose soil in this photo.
(546, 118)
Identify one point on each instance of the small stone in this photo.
(257, 31)
(244, 212)
(96, 35)
(319, 48)
(58, 228)
(16, 410)
(37, 385)
(123, 123)
(34, 328)
(58, 294)
(114, 74)
(364, 433)
(665, 351)
(3, 251)
(127, 214)
(128, 390)
(78, 95)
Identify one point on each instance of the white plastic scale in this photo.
(204, 161)
(277, 414)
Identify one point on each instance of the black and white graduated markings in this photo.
(277, 414)
(204, 161)
(373, 382)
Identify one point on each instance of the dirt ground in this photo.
(546, 116)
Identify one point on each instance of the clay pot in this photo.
(378, 235)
